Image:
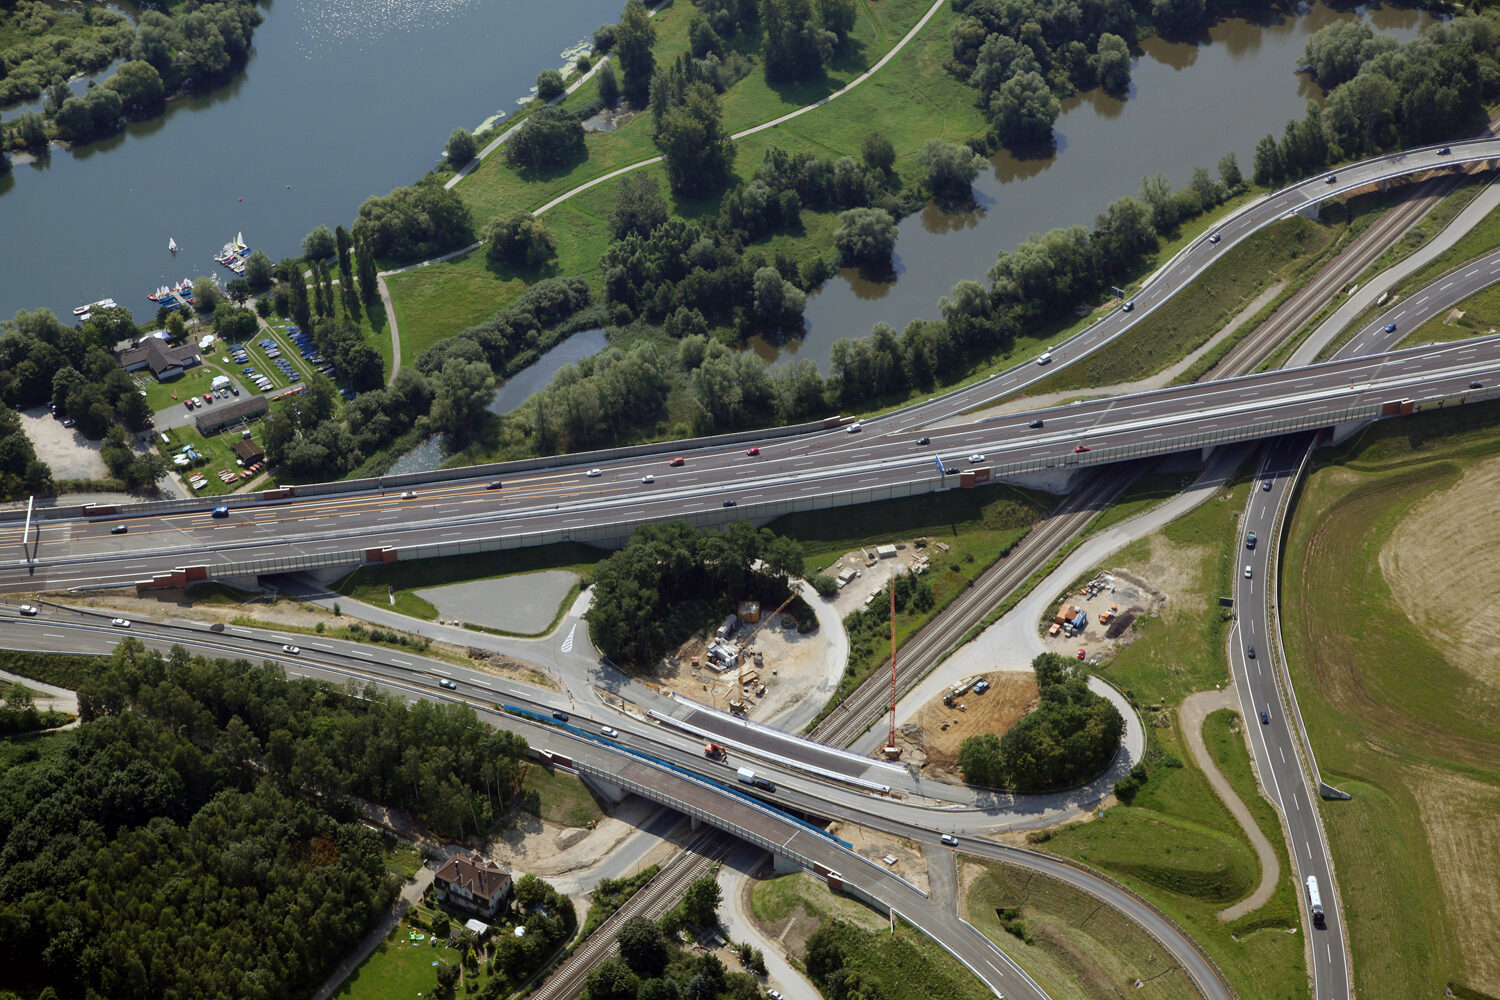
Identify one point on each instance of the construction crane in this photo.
(745, 644)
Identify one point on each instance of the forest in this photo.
(1069, 738)
(671, 579)
(198, 836)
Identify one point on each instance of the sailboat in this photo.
(171, 244)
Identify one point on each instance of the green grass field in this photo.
(560, 798)
(976, 525)
(1076, 949)
(215, 448)
(1413, 737)
(397, 968)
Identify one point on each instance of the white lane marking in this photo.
(320, 645)
(54, 635)
(1257, 667)
(1296, 801)
(1422, 299)
(404, 663)
(567, 644)
(1329, 949)
(1308, 848)
(1443, 288)
(480, 683)
(1283, 754)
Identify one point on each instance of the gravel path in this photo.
(1195, 709)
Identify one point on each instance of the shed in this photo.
(886, 551)
(479, 927)
(750, 611)
(248, 451)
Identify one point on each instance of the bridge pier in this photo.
(1342, 432)
(609, 791)
(1311, 210)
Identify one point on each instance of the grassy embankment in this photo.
(374, 584)
(559, 798)
(906, 964)
(1481, 312)
(977, 526)
(1176, 844)
(913, 98)
(1399, 715)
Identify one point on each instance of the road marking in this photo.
(480, 683)
(1296, 802)
(1283, 754)
(404, 663)
(320, 645)
(1329, 949)
(1443, 288)
(567, 645)
(54, 635)
(1308, 847)
(1257, 667)
(1422, 299)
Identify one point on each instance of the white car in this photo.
(774, 994)
(976, 458)
(294, 650)
(1044, 358)
(28, 610)
(120, 622)
(409, 495)
(612, 733)
(1249, 572)
(648, 479)
(595, 473)
(949, 840)
(854, 428)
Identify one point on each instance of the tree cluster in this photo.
(45, 44)
(19, 714)
(551, 137)
(1070, 736)
(653, 966)
(43, 361)
(163, 853)
(550, 921)
(802, 36)
(413, 223)
(689, 126)
(21, 472)
(671, 578)
(519, 241)
(869, 628)
(1386, 96)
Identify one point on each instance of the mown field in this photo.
(1401, 697)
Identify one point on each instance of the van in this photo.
(1045, 358)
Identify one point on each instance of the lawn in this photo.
(1147, 492)
(398, 968)
(373, 584)
(977, 525)
(1287, 251)
(1395, 719)
(906, 965)
(1073, 947)
(215, 449)
(559, 798)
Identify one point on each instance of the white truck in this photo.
(1314, 901)
(749, 777)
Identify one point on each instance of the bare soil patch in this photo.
(1126, 595)
(1443, 553)
(69, 454)
(931, 737)
(1462, 820)
(909, 861)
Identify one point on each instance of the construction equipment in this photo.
(745, 644)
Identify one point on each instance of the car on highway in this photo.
(854, 428)
(609, 731)
(1129, 305)
(752, 452)
(1332, 179)
(445, 682)
(409, 495)
(28, 610)
(293, 650)
(1265, 718)
(1214, 238)
(1444, 151)
(1249, 539)
(1249, 572)
(493, 484)
(676, 462)
(1082, 447)
(949, 840)
(595, 473)
(1266, 485)
(1250, 650)
(119, 529)
(730, 503)
(1476, 385)
(951, 470)
(924, 440)
(1035, 423)
(648, 478)
(1390, 328)
(221, 512)
(120, 622)
(1044, 358)
(976, 458)
(560, 716)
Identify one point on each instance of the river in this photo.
(1188, 105)
(341, 99)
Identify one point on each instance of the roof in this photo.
(248, 450)
(158, 356)
(219, 415)
(481, 877)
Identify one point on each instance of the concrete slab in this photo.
(524, 604)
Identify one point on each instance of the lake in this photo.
(341, 99)
(1188, 105)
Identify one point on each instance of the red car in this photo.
(677, 461)
(208, 397)
(1081, 654)
(1082, 447)
(753, 452)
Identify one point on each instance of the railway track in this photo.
(659, 895)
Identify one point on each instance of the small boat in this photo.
(171, 244)
(86, 309)
(239, 243)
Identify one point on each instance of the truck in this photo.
(713, 751)
(749, 777)
(1314, 901)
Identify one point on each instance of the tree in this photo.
(1267, 169)
(700, 901)
(697, 150)
(950, 169)
(865, 236)
(796, 46)
(609, 86)
(998, 59)
(461, 146)
(258, 271)
(1336, 52)
(634, 37)
(877, 152)
(1024, 109)
(612, 980)
(1112, 63)
(31, 130)
(140, 88)
(464, 389)
(420, 221)
(639, 207)
(364, 263)
(1229, 173)
(549, 85)
(1177, 15)
(318, 244)
(778, 303)
(205, 295)
(520, 241)
(824, 956)
(550, 137)
(643, 946)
